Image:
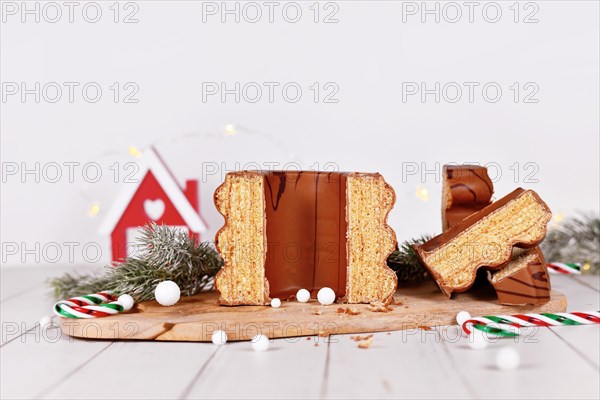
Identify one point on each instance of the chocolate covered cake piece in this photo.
(485, 238)
(291, 230)
(524, 280)
(466, 189)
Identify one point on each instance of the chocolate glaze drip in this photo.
(467, 189)
(306, 232)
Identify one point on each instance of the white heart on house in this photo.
(154, 208)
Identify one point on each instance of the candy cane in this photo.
(89, 306)
(564, 268)
(509, 325)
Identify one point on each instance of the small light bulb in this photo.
(559, 217)
(587, 266)
(422, 193)
(94, 210)
(230, 130)
(134, 151)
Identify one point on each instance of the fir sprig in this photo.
(164, 254)
(405, 262)
(575, 240)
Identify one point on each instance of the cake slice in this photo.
(524, 280)
(241, 242)
(485, 238)
(291, 230)
(466, 189)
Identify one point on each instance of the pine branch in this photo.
(164, 254)
(405, 262)
(575, 240)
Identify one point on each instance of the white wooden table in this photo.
(562, 362)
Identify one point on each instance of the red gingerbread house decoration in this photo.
(158, 197)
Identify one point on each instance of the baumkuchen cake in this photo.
(285, 231)
(524, 280)
(485, 239)
(466, 189)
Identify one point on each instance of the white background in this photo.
(369, 53)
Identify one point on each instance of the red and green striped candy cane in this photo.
(564, 268)
(93, 305)
(509, 325)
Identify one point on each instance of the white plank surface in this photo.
(400, 365)
(134, 368)
(549, 369)
(409, 364)
(584, 296)
(581, 295)
(34, 363)
(291, 368)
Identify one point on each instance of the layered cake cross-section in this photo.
(485, 239)
(291, 230)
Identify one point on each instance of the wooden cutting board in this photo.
(194, 318)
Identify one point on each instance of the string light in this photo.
(587, 266)
(422, 193)
(134, 151)
(230, 130)
(557, 219)
(94, 210)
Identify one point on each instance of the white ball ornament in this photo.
(275, 303)
(477, 339)
(260, 342)
(126, 301)
(219, 337)
(303, 295)
(462, 317)
(507, 358)
(45, 321)
(326, 296)
(167, 293)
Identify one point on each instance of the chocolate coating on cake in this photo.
(524, 280)
(306, 232)
(466, 190)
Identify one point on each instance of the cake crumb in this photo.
(308, 338)
(318, 312)
(397, 302)
(358, 338)
(424, 327)
(348, 310)
(316, 344)
(389, 333)
(379, 307)
(365, 344)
